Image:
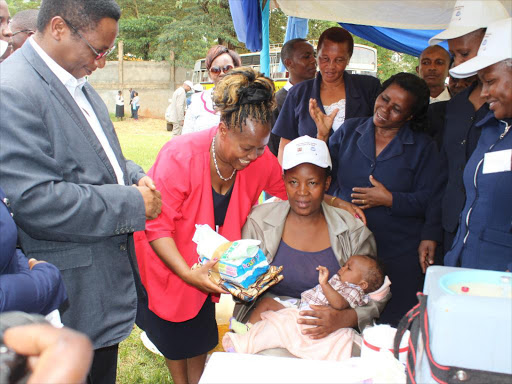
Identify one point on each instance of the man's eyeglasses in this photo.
(98, 55)
(23, 31)
(216, 70)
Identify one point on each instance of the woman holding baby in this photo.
(304, 232)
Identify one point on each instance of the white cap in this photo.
(198, 88)
(470, 15)
(3, 46)
(305, 149)
(189, 83)
(496, 46)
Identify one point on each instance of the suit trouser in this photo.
(104, 366)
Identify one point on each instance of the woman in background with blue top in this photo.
(386, 165)
(336, 92)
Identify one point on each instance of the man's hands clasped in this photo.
(151, 196)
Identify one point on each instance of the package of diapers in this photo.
(241, 262)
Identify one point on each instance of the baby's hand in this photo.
(323, 274)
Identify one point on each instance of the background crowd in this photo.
(419, 173)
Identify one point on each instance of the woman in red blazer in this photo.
(210, 177)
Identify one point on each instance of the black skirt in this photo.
(184, 340)
(119, 110)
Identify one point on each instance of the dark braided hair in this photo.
(417, 87)
(244, 93)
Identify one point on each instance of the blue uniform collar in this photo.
(489, 119)
(366, 143)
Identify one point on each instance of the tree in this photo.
(141, 23)
(277, 26)
(140, 35)
(205, 23)
(20, 5)
(152, 28)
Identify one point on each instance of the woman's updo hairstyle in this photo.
(417, 87)
(337, 35)
(244, 93)
(218, 50)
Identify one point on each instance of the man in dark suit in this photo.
(298, 56)
(75, 198)
(433, 67)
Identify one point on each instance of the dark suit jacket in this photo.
(294, 119)
(436, 115)
(67, 204)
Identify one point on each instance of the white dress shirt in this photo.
(288, 85)
(443, 96)
(74, 86)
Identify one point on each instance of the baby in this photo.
(349, 287)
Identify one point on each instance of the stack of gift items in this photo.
(242, 268)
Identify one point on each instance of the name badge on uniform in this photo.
(499, 161)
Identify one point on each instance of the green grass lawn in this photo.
(141, 140)
(138, 365)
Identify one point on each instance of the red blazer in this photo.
(182, 174)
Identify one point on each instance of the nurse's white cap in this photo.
(495, 47)
(470, 15)
(305, 149)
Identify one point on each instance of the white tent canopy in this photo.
(404, 14)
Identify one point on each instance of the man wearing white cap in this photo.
(460, 133)
(175, 113)
(484, 238)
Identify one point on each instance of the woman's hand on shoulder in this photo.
(353, 209)
(200, 278)
(326, 320)
(323, 122)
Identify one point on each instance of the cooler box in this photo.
(470, 319)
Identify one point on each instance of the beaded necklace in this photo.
(217, 167)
